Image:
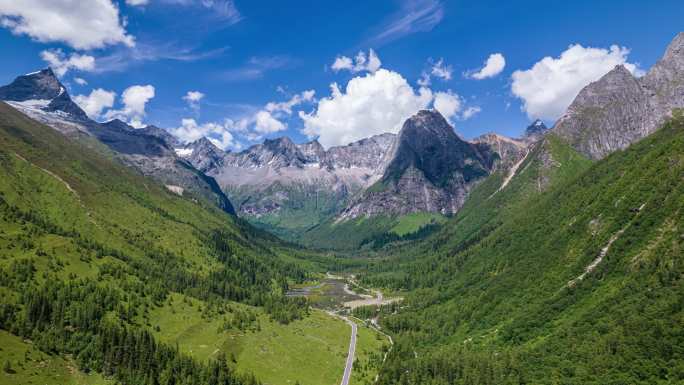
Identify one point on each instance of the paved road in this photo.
(350, 355)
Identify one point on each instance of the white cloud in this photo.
(193, 99)
(137, 3)
(268, 119)
(134, 100)
(360, 63)
(373, 104)
(447, 103)
(81, 81)
(96, 102)
(265, 123)
(60, 63)
(438, 69)
(217, 133)
(441, 70)
(493, 66)
(286, 107)
(549, 87)
(81, 25)
(470, 112)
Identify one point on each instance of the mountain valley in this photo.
(422, 252)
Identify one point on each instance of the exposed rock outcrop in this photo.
(430, 169)
(620, 109)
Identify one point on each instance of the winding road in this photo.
(350, 355)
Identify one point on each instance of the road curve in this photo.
(350, 355)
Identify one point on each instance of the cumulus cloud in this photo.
(361, 63)
(217, 133)
(265, 123)
(549, 87)
(81, 25)
(269, 119)
(134, 100)
(470, 112)
(137, 3)
(373, 104)
(96, 102)
(447, 103)
(493, 66)
(81, 81)
(193, 99)
(437, 69)
(60, 63)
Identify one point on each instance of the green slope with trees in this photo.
(572, 274)
(91, 252)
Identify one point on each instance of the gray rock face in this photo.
(42, 86)
(202, 154)
(508, 150)
(367, 153)
(41, 96)
(279, 174)
(430, 170)
(170, 140)
(619, 109)
(535, 130)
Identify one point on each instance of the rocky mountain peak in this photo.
(430, 169)
(42, 89)
(313, 151)
(509, 150)
(429, 122)
(535, 129)
(620, 109)
(170, 140)
(117, 124)
(39, 85)
(674, 54)
(203, 154)
(428, 143)
(204, 143)
(282, 144)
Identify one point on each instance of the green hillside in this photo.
(98, 265)
(571, 274)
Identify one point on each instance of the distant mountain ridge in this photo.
(295, 186)
(41, 96)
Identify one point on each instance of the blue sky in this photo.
(242, 55)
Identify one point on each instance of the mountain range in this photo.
(291, 188)
(41, 96)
